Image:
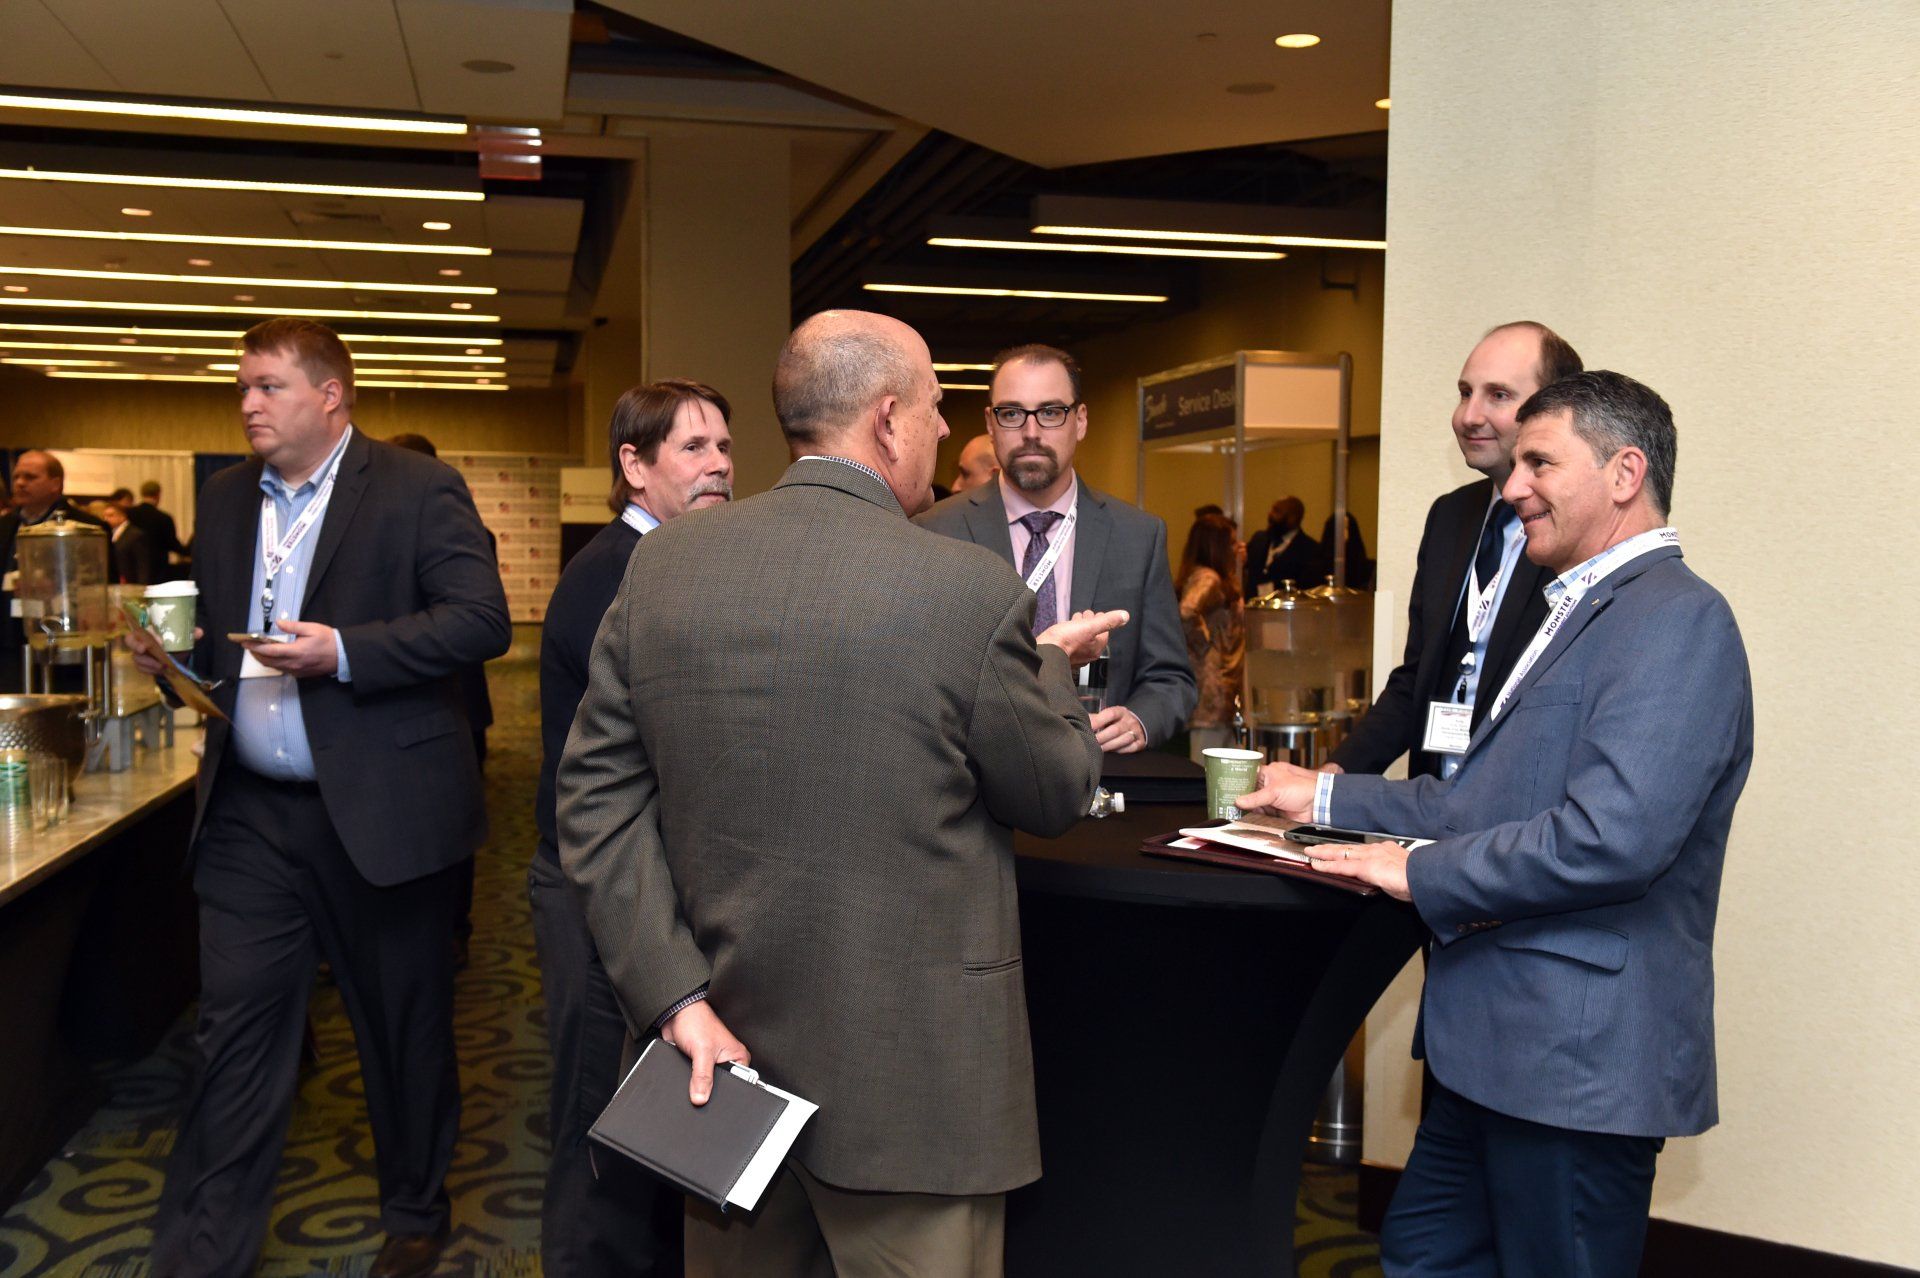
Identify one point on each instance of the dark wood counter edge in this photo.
(88, 842)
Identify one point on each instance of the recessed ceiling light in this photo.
(1212, 237)
(436, 226)
(16, 288)
(963, 368)
(1251, 88)
(1298, 40)
(249, 241)
(234, 335)
(1063, 295)
(966, 386)
(129, 341)
(269, 281)
(461, 306)
(243, 297)
(1385, 104)
(473, 350)
(138, 212)
(199, 261)
(450, 271)
(67, 363)
(232, 115)
(487, 66)
(954, 241)
(237, 184)
(309, 312)
(167, 359)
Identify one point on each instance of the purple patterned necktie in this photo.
(1038, 525)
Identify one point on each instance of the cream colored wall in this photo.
(1719, 199)
(44, 412)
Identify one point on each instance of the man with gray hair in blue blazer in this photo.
(1574, 874)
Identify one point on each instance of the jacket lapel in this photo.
(347, 489)
(1090, 535)
(986, 516)
(1592, 605)
(1444, 605)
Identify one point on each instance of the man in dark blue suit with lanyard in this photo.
(671, 452)
(343, 585)
(1574, 874)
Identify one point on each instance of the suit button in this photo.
(1463, 929)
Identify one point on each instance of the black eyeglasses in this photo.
(1014, 417)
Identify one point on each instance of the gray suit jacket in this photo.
(1119, 561)
(808, 733)
(1574, 886)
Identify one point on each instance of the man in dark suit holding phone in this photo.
(336, 804)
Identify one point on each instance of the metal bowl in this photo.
(46, 723)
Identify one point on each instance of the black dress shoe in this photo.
(408, 1255)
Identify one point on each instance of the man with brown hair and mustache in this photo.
(1076, 548)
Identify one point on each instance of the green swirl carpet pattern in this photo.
(88, 1213)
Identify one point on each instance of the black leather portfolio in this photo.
(724, 1151)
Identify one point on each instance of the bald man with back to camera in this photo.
(810, 731)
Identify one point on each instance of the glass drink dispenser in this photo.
(62, 589)
(1289, 660)
(1351, 651)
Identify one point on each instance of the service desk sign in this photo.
(1189, 404)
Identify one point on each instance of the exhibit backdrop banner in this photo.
(518, 495)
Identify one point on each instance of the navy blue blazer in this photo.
(1573, 888)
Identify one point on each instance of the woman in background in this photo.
(1215, 621)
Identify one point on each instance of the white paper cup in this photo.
(171, 606)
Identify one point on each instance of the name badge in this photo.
(1449, 728)
(251, 667)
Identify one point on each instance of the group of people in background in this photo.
(786, 743)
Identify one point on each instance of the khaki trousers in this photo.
(807, 1229)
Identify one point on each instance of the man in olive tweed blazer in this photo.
(809, 731)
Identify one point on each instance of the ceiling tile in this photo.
(341, 53)
(185, 48)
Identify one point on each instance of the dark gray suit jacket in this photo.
(403, 572)
(1119, 561)
(1575, 881)
(808, 733)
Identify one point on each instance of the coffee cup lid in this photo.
(173, 589)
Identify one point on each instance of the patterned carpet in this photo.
(87, 1214)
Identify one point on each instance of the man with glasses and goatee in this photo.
(1076, 548)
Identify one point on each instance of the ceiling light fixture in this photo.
(232, 115)
(965, 386)
(130, 346)
(466, 374)
(1061, 295)
(16, 288)
(963, 368)
(1213, 237)
(228, 381)
(247, 241)
(66, 363)
(138, 212)
(186, 308)
(959, 241)
(450, 271)
(238, 184)
(1297, 40)
(268, 281)
(199, 261)
(461, 306)
(1385, 104)
(436, 226)
(221, 335)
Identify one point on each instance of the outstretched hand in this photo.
(1083, 636)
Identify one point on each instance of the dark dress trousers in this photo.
(809, 732)
(357, 866)
(621, 1223)
(1436, 636)
(1119, 561)
(12, 635)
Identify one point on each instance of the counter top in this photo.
(103, 804)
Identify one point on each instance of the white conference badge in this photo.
(1449, 728)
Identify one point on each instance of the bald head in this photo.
(38, 481)
(977, 464)
(836, 368)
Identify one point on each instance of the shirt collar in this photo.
(862, 467)
(1018, 507)
(638, 519)
(271, 482)
(1618, 553)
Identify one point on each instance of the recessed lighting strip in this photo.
(1062, 295)
(200, 308)
(1135, 250)
(963, 368)
(251, 281)
(234, 335)
(236, 184)
(468, 374)
(966, 386)
(234, 115)
(218, 352)
(1212, 237)
(228, 381)
(65, 363)
(247, 241)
